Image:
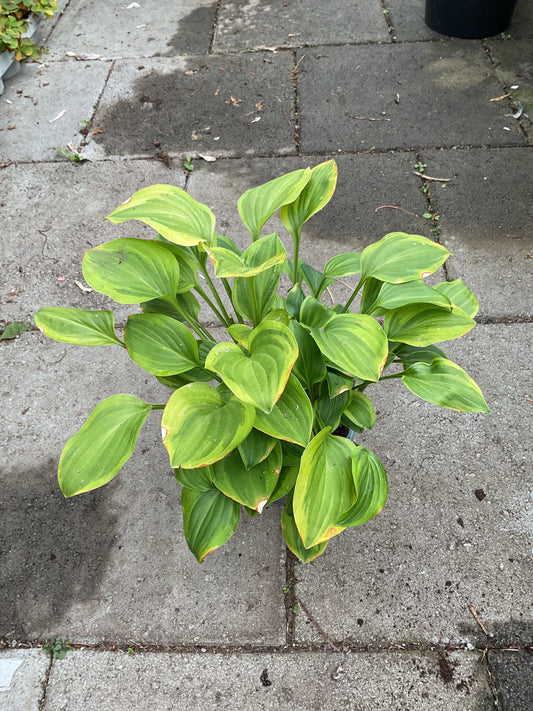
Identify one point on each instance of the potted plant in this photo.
(18, 22)
(469, 19)
(256, 418)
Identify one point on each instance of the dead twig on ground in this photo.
(318, 627)
(367, 118)
(428, 177)
(395, 207)
(477, 618)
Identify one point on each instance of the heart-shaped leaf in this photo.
(131, 270)
(250, 487)
(324, 489)
(460, 295)
(200, 479)
(209, 520)
(338, 382)
(314, 313)
(329, 409)
(291, 417)
(171, 211)
(355, 343)
(80, 327)
(259, 376)
(292, 537)
(160, 344)
(315, 195)
(310, 367)
(370, 480)
(399, 257)
(445, 384)
(256, 448)
(199, 428)
(343, 265)
(359, 410)
(421, 325)
(257, 205)
(95, 454)
(392, 296)
(261, 255)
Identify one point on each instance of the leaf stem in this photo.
(227, 287)
(193, 323)
(354, 294)
(227, 320)
(296, 240)
(212, 306)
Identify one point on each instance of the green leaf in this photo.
(241, 333)
(199, 428)
(370, 480)
(80, 327)
(14, 329)
(421, 325)
(355, 343)
(95, 454)
(392, 296)
(370, 294)
(131, 270)
(170, 211)
(259, 376)
(343, 265)
(256, 448)
(250, 487)
(295, 298)
(359, 410)
(188, 266)
(330, 409)
(293, 539)
(315, 195)
(314, 279)
(314, 313)
(412, 354)
(310, 367)
(286, 482)
(199, 479)
(209, 520)
(338, 383)
(445, 384)
(291, 418)
(257, 205)
(399, 257)
(254, 297)
(261, 255)
(324, 489)
(160, 344)
(460, 295)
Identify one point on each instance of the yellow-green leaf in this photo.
(80, 327)
(315, 195)
(291, 418)
(371, 486)
(422, 325)
(399, 257)
(209, 520)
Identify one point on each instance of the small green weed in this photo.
(57, 647)
(187, 164)
(420, 167)
(72, 156)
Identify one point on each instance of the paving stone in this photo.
(458, 525)
(486, 214)
(113, 564)
(116, 30)
(236, 106)
(423, 94)
(513, 676)
(46, 114)
(245, 24)
(22, 674)
(514, 67)
(522, 21)
(299, 681)
(52, 213)
(407, 19)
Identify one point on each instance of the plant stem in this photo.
(193, 323)
(212, 306)
(157, 407)
(296, 240)
(352, 297)
(219, 301)
(391, 377)
(227, 287)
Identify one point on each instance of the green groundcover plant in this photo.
(14, 18)
(253, 419)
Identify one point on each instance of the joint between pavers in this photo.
(41, 704)
(214, 28)
(290, 598)
(295, 70)
(84, 141)
(388, 19)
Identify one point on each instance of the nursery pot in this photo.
(469, 19)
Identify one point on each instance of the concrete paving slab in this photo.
(118, 30)
(48, 104)
(237, 105)
(51, 214)
(522, 22)
(113, 564)
(249, 24)
(299, 681)
(514, 67)
(458, 525)
(407, 19)
(22, 675)
(513, 676)
(486, 215)
(402, 96)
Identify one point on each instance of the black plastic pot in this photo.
(469, 19)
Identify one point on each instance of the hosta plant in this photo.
(255, 418)
(14, 18)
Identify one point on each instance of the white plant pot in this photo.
(9, 66)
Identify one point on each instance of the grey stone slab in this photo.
(457, 528)
(47, 113)
(422, 94)
(522, 21)
(407, 19)
(22, 675)
(247, 24)
(486, 215)
(298, 681)
(237, 105)
(514, 67)
(513, 675)
(51, 214)
(116, 30)
(113, 564)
